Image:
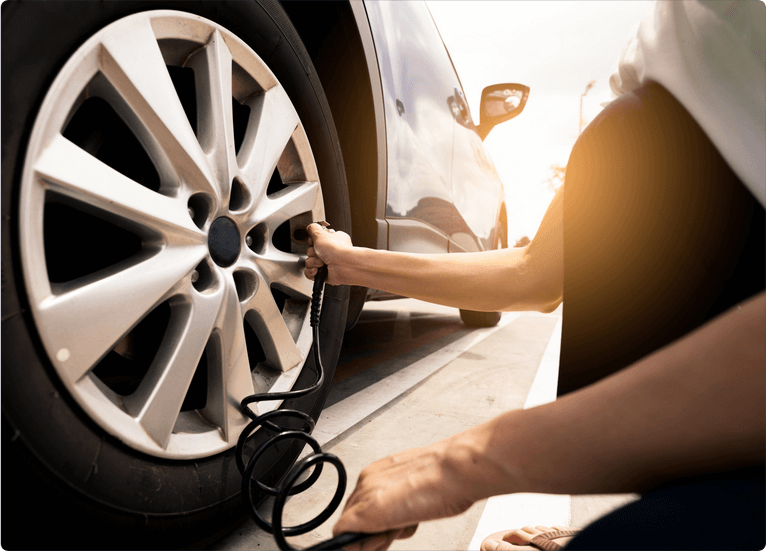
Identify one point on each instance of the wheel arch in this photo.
(338, 39)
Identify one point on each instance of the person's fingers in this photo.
(313, 262)
(313, 229)
(543, 528)
(384, 540)
(382, 500)
(356, 518)
(379, 542)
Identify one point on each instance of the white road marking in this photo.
(543, 389)
(518, 510)
(343, 415)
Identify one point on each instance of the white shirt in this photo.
(711, 55)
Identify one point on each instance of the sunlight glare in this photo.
(556, 48)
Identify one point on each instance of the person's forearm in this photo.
(489, 281)
(698, 405)
(507, 279)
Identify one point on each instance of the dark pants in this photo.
(722, 511)
(660, 236)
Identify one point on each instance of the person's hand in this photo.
(324, 248)
(393, 495)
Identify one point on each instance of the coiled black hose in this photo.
(288, 485)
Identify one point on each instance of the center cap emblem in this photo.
(223, 241)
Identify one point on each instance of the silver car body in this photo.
(441, 192)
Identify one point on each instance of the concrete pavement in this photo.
(400, 395)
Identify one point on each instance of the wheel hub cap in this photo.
(223, 241)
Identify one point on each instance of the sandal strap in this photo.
(545, 541)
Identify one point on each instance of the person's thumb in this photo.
(314, 229)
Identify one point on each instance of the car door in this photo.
(418, 84)
(477, 190)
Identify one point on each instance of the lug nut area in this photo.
(256, 239)
(301, 235)
(239, 198)
(199, 209)
(202, 277)
(246, 284)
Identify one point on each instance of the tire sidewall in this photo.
(113, 483)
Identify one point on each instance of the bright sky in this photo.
(556, 48)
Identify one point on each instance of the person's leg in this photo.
(724, 511)
(659, 236)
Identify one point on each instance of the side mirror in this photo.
(500, 103)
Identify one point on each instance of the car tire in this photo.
(66, 458)
(472, 318)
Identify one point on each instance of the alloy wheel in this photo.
(165, 190)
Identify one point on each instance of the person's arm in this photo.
(696, 406)
(528, 278)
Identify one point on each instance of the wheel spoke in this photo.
(215, 124)
(133, 64)
(282, 354)
(85, 319)
(271, 126)
(230, 380)
(72, 172)
(295, 199)
(158, 400)
(286, 271)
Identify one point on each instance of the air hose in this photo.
(289, 484)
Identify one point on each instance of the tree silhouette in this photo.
(556, 175)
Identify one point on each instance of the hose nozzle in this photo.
(316, 295)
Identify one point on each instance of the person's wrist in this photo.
(464, 460)
(473, 456)
(343, 265)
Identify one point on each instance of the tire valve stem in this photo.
(194, 276)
